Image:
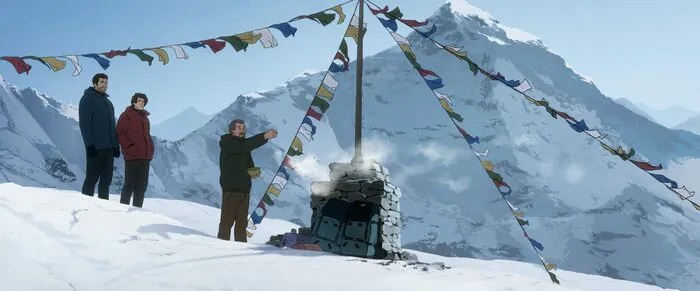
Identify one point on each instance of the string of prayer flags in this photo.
(240, 42)
(319, 105)
(577, 125)
(503, 188)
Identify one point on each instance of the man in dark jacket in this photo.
(234, 161)
(134, 132)
(97, 126)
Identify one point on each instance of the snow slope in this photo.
(61, 240)
(179, 125)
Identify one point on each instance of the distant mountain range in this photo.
(670, 117)
(178, 126)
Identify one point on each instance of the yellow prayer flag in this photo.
(519, 214)
(354, 33)
(341, 16)
(323, 92)
(445, 105)
(249, 37)
(248, 233)
(272, 189)
(406, 48)
(608, 148)
(56, 65)
(297, 144)
(162, 55)
(531, 100)
(550, 266)
(487, 165)
(456, 51)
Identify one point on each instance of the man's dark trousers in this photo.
(100, 168)
(135, 181)
(234, 209)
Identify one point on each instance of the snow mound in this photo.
(62, 240)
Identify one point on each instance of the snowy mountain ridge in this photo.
(569, 188)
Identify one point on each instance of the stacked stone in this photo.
(368, 182)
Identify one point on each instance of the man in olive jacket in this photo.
(234, 161)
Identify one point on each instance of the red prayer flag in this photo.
(424, 72)
(646, 166)
(314, 114)
(19, 64)
(383, 10)
(566, 116)
(114, 53)
(414, 23)
(214, 45)
(341, 57)
(287, 162)
(464, 133)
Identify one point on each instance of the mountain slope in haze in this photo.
(633, 107)
(179, 125)
(692, 125)
(671, 116)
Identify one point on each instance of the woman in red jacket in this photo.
(134, 134)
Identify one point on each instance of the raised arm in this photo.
(236, 147)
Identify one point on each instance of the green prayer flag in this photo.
(268, 200)
(455, 116)
(523, 222)
(38, 59)
(494, 176)
(142, 56)
(320, 103)
(629, 155)
(293, 152)
(341, 16)
(322, 17)
(552, 112)
(395, 14)
(473, 67)
(553, 277)
(237, 43)
(412, 58)
(344, 49)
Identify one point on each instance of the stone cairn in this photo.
(367, 182)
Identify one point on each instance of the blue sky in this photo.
(644, 50)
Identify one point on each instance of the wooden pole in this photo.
(358, 93)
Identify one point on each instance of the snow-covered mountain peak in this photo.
(463, 8)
